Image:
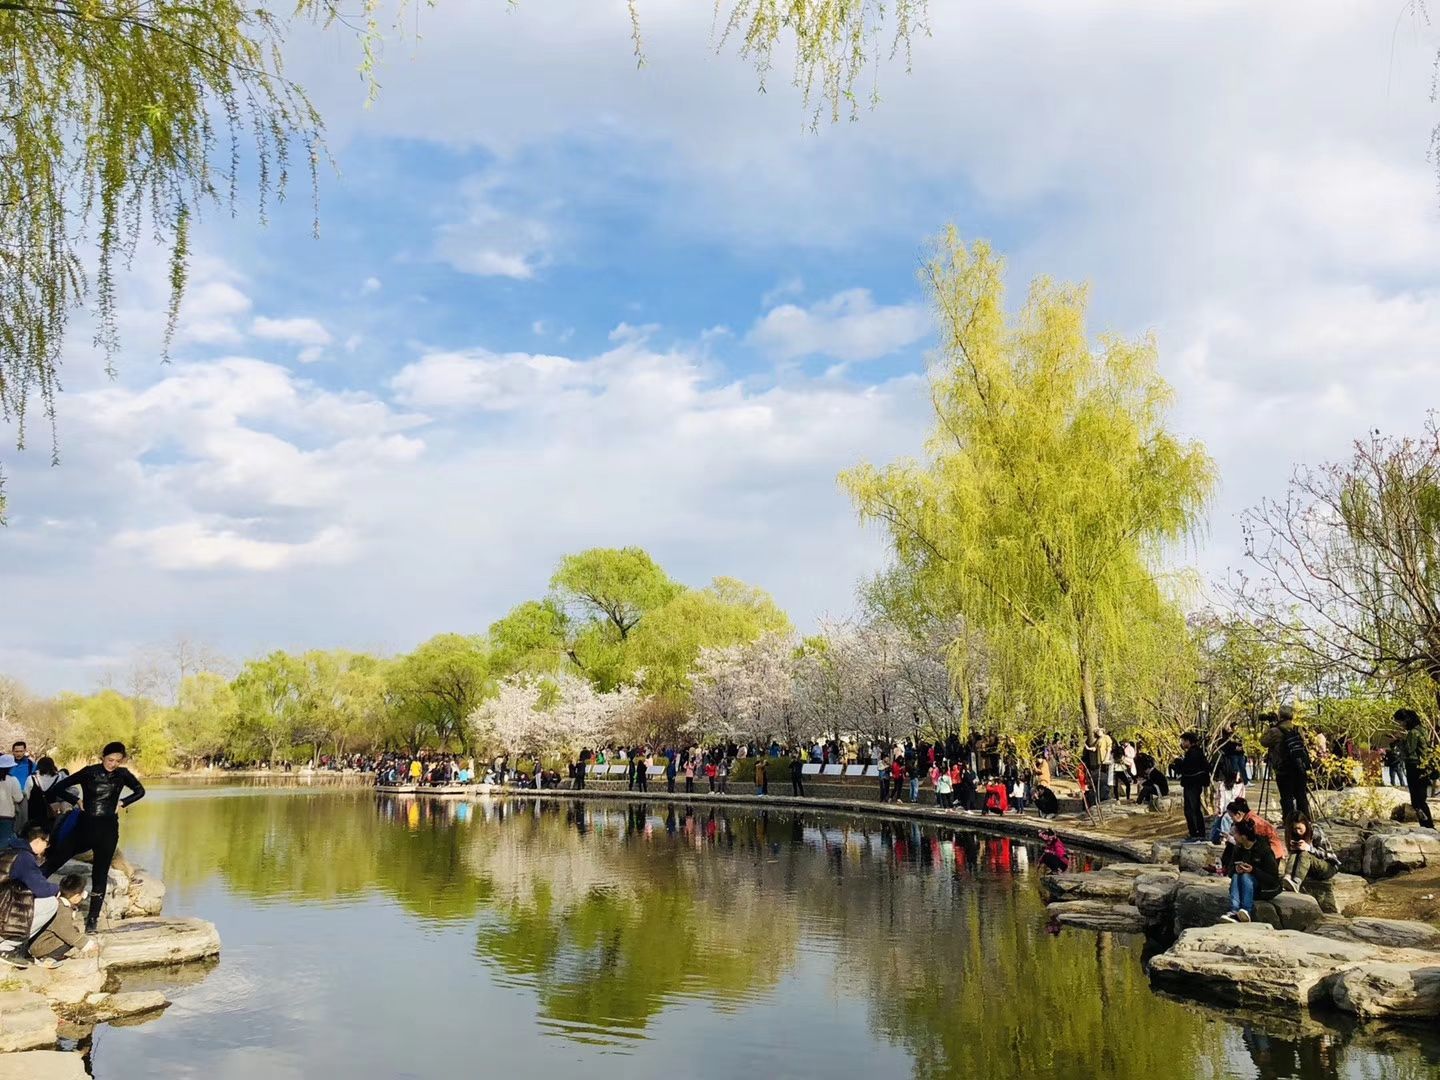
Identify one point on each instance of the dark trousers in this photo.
(99, 836)
(689, 785)
(580, 778)
(1194, 814)
(670, 784)
(797, 786)
(1293, 798)
(1419, 783)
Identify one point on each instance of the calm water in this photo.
(375, 940)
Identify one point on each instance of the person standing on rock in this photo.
(12, 801)
(1415, 749)
(1194, 772)
(102, 788)
(1290, 762)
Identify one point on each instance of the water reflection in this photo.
(615, 929)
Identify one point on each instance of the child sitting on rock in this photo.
(65, 936)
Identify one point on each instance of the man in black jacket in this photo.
(1194, 770)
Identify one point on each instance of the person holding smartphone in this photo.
(1254, 873)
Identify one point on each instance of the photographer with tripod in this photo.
(1289, 761)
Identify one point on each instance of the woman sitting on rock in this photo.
(1253, 872)
(1308, 856)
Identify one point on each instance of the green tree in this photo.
(533, 637)
(436, 688)
(123, 119)
(726, 612)
(270, 707)
(109, 716)
(1051, 487)
(204, 719)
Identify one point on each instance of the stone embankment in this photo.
(1301, 952)
(40, 1006)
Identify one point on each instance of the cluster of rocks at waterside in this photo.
(40, 1006)
(1302, 950)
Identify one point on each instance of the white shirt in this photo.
(10, 796)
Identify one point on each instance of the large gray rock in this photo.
(1154, 897)
(27, 1022)
(43, 1065)
(1099, 885)
(150, 942)
(1339, 893)
(1098, 915)
(1199, 856)
(1394, 852)
(1200, 901)
(1289, 911)
(1165, 851)
(1255, 965)
(1392, 933)
(1249, 964)
(146, 897)
(1381, 990)
(1348, 843)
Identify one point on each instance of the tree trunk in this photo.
(1088, 710)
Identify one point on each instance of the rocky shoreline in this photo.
(40, 1007)
(1302, 952)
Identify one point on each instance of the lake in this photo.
(374, 939)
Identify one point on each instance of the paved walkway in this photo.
(1016, 825)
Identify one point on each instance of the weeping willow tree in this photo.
(1049, 491)
(121, 119)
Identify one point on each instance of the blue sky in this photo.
(559, 302)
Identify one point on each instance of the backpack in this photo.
(1297, 754)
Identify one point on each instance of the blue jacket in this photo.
(27, 871)
(22, 770)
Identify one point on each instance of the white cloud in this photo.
(489, 242)
(295, 331)
(370, 286)
(194, 545)
(209, 312)
(480, 379)
(848, 326)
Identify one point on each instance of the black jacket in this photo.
(1194, 769)
(1267, 870)
(101, 789)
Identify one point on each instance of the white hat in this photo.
(7, 761)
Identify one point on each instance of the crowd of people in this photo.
(47, 818)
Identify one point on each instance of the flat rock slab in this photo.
(1257, 966)
(1394, 852)
(1247, 964)
(1098, 915)
(1289, 911)
(27, 1021)
(103, 1007)
(1135, 870)
(1099, 885)
(151, 942)
(69, 984)
(1392, 933)
(43, 1065)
